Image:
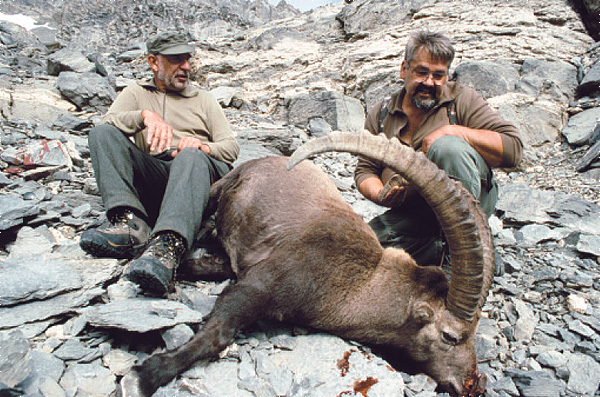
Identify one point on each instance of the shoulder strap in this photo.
(383, 112)
(451, 106)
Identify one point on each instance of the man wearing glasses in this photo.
(454, 127)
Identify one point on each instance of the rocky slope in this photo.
(69, 327)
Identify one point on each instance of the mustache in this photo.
(425, 89)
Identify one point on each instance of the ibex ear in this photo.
(422, 313)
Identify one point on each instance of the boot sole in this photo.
(103, 249)
(149, 276)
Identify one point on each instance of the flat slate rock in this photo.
(141, 314)
(523, 205)
(28, 279)
(13, 209)
(15, 364)
(41, 310)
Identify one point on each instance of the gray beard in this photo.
(425, 105)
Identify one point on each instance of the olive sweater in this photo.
(191, 112)
(472, 111)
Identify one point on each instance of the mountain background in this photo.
(283, 77)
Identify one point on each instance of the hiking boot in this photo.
(123, 236)
(154, 270)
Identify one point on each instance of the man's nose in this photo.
(185, 65)
(429, 80)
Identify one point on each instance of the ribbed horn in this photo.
(461, 218)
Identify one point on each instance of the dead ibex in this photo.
(301, 254)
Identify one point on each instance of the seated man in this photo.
(156, 189)
(454, 127)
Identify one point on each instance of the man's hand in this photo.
(160, 134)
(395, 197)
(440, 132)
(392, 195)
(190, 141)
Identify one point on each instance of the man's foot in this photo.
(123, 236)
(154, 270)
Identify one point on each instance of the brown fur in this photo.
(301, 254)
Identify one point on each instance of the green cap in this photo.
(169, 43)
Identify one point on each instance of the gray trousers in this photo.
(414, 227)
(171, 193)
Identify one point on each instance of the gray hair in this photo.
(437, 44)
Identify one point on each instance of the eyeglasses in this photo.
(423, 75)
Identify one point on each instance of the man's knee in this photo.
(460, 161)
(193, 158)
(192, 154)
(103, 133)
(448, 149)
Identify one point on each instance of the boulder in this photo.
(341, 112)
(86, 89)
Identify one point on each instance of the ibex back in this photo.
(301, 254)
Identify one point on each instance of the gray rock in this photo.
(42, 310)
(489, 78)
(539, 121)
(505, 385)
(74, 350)
(318, 127)
(31, 244)
(551, 359)
(582, 329)
(340, 112)
(249, 151)
(224, 95)
(536, 383)
(45, 366)
(554, 80)
(141, 315)
(584, 375)
(534, 234)
(86, 89)
(13, 209)
(522, 204)
(588, 244)
(88, 379)
(15, 363)
(527, 321)
(580, 127)
(46, 36)
(119, 361)
(67, 60)
(49, 387)
(28, 279)
(591, 80)
(177, 336)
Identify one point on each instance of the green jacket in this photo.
(472, 111)
(191, 112)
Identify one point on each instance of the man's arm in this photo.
(487, 143)
(498, 141)
(223, 146)
(124, 113)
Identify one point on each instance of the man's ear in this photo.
(403, 69)
(153, 62)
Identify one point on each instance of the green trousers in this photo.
(413, 226)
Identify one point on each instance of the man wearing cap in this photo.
(162, 143)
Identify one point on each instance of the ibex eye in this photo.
(450, 338)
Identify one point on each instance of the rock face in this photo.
(69, 326)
